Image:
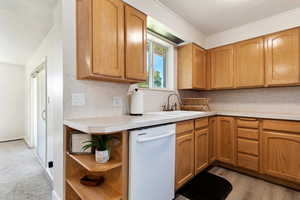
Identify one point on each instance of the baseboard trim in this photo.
(55, 196)
(260, 175)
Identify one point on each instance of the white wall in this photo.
(11, 102)
(282, 21)
(175, 23)
(51, 48)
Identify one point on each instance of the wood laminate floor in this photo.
(249, 188)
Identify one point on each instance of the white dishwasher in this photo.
(152, 163)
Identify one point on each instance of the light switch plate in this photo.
(78, 99)
(117, 102)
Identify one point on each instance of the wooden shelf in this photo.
(101, 192)
(88, 162)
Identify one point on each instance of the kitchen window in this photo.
(160, 64)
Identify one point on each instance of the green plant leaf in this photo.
(86, 147)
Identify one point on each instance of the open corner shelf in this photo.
(101, 192)
(88, 162)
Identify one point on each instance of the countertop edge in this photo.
(123, 127)
(260, 115)
(106, 129)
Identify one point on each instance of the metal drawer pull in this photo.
(155, 138)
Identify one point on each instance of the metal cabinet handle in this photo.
(156, 138)
(44, 115)
(247, 119)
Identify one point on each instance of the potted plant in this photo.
(101, 145)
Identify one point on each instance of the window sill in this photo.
(157, 89)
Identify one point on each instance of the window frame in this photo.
(169, 64)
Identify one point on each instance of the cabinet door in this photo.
(199, 68)
(222, 68)
(201, 150)
(282, 58)
(184, 158)
(108, 38)
(212, 151)
(226, 140)
(136, 44)
(281, 155)
(249, 63)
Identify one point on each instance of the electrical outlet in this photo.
(117, 102)
(78, 99)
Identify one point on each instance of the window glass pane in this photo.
(159, 65)
(156, 65)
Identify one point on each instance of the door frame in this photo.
(34, 106)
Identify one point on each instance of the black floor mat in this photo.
(206, 186)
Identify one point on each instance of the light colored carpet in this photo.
(21, 176)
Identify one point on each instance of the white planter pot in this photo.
(102, 156)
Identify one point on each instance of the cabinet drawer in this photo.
(247, 122)
(277, 125)
(201, 123)
(251, 134)
(247, 161)
(185, 126)
(248, 146)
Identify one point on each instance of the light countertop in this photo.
(126, 122)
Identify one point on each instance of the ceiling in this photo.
(212, 16)
(24, 24)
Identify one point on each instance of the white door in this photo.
(41, 145)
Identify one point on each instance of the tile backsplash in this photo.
(285, 100)
(99, 97)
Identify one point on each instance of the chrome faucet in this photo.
(171, 108)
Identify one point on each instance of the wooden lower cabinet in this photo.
(201, 150)
(226, 148)
(192, 147)
(267, 148)
(247, 161)
(212, 136)
(281, 155)
(184, 158)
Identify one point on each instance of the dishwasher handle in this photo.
(141, 140)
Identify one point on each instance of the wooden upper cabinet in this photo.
(249, 63)
(281, 155)
(108, 54)
(222, 68)
(100, 54)
(111, 41)
(191, 67)
(226, 147)
(136, 44)
(282, 58)
(199, 68)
